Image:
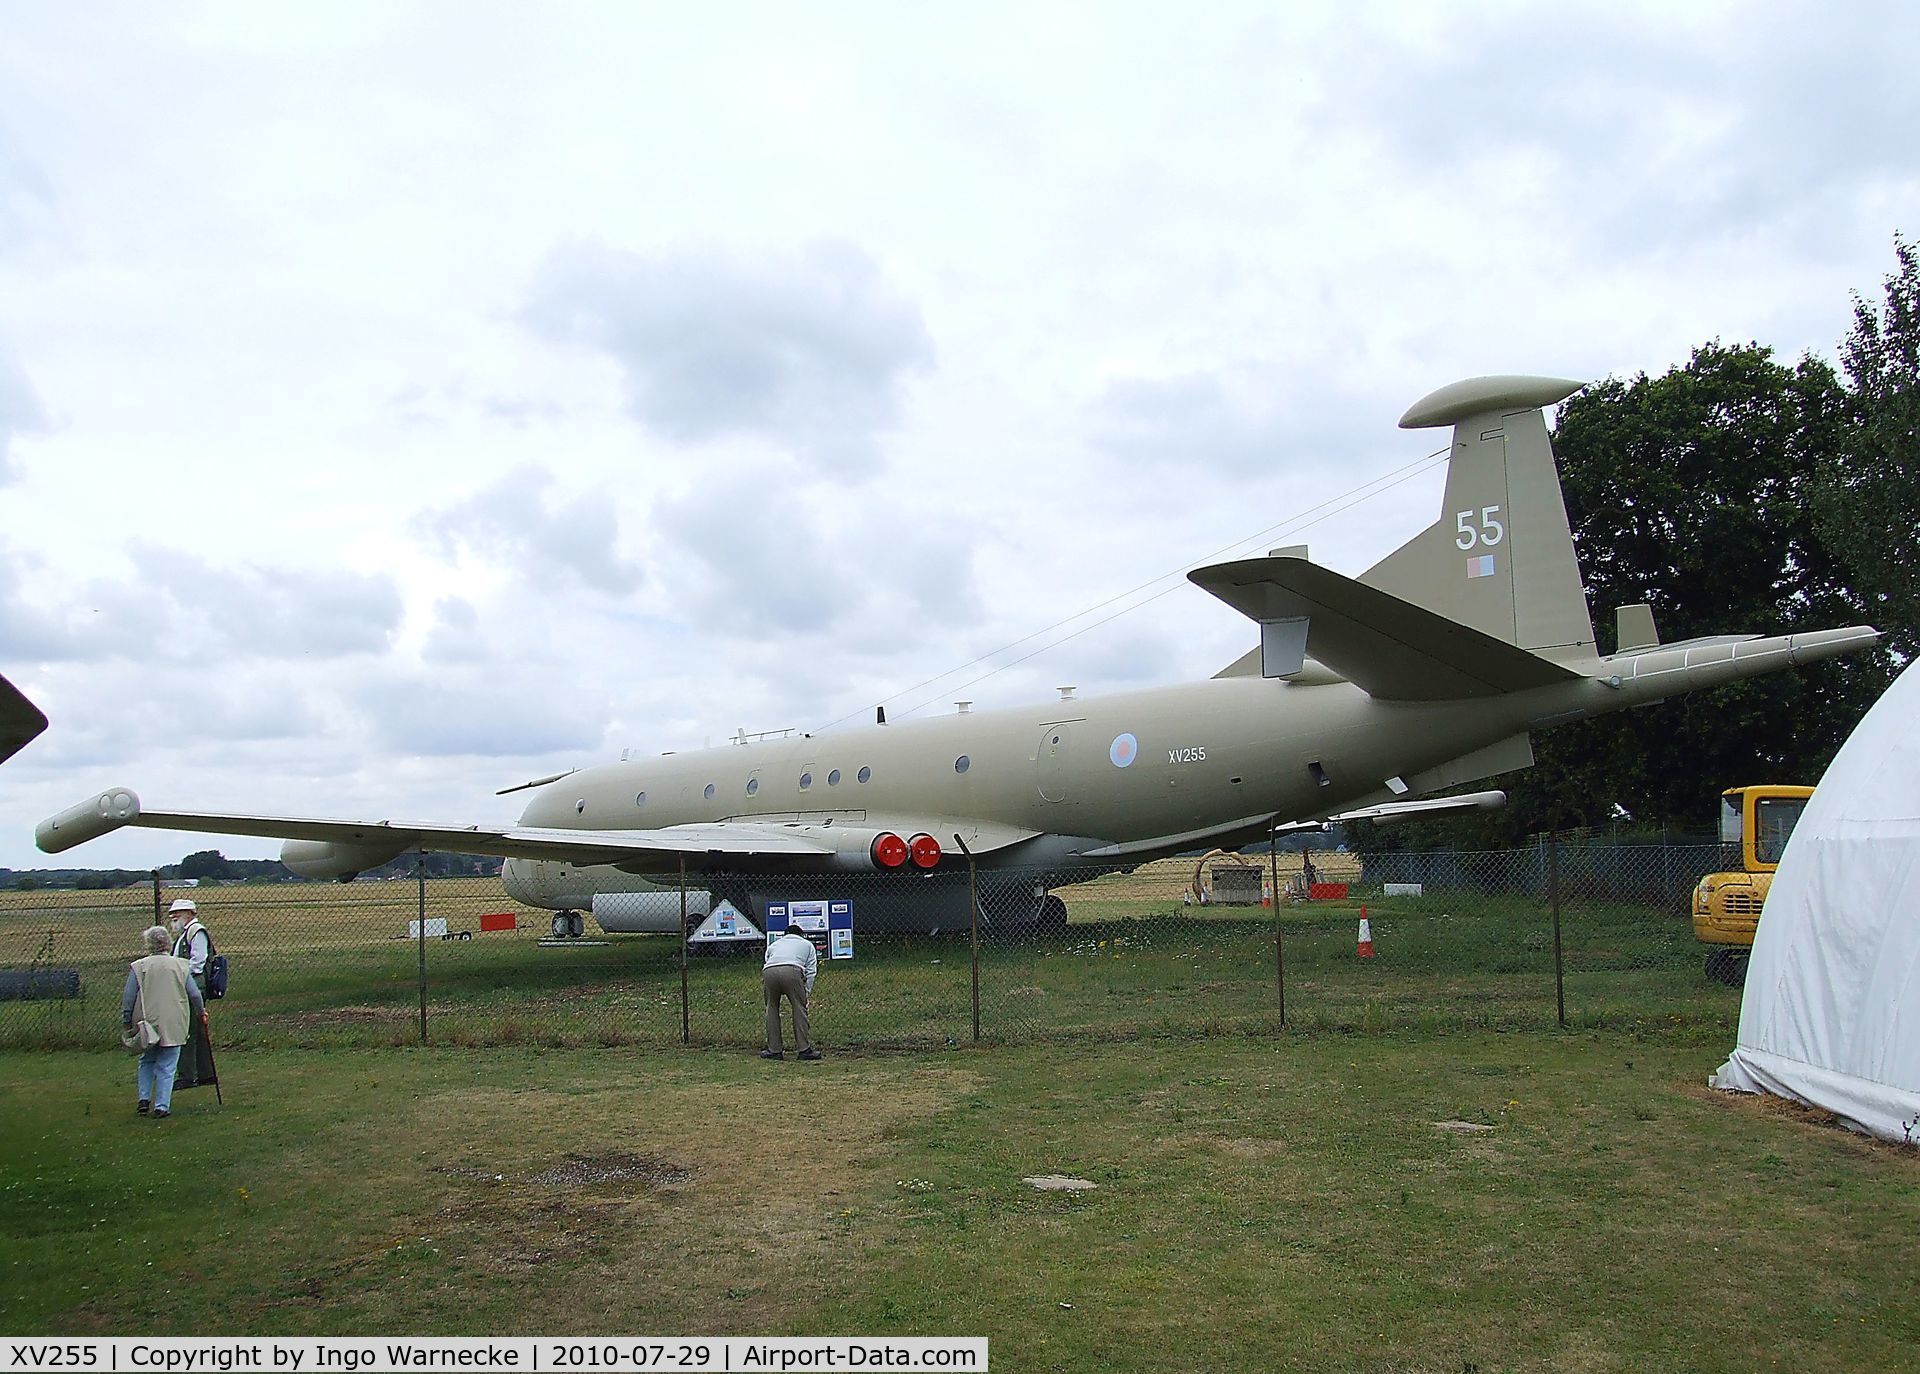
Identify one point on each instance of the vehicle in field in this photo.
(1362, 696)
(1726, 906)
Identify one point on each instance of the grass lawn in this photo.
(1272, 1202)
(326, 965)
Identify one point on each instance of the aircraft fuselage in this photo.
(1140, 773)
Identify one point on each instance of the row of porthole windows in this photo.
(753, 785)
(960, 765)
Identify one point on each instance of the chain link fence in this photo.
(1580, 934)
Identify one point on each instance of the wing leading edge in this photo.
(741, 839)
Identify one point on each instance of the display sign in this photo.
(828, 922)
(724, 925)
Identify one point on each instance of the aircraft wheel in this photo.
(576, 925)
(1053, 916)
(560, 924)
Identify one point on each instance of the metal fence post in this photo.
(1553, 896)
(686, 1015)
(973, 905)
(158, 919)
(420, 868)
(1279, 950)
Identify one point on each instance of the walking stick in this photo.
(206, 1038)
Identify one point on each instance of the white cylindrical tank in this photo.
(658, 912)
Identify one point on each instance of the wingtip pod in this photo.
(1477, 395)
(88, 820)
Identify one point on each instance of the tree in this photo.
(206, 863)
(1870, 505)
(1688, 492)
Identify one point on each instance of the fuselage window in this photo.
(864, 774)
(806, 781)
(833, 778)
(580, 807)
(709, 792)
(640, 800)
(753, 785)
(962, 764)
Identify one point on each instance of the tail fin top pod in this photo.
(1500, 558)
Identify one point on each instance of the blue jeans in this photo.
(156, 1075)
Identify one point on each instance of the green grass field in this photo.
(1285, 1203)
(327, 965)
(331, 966)
(1267, 1196)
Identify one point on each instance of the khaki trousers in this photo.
(788, 981)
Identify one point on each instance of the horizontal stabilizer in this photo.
(1387, 647)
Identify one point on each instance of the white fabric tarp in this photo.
(1831, 1015)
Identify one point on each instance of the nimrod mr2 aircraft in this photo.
(1364, 696)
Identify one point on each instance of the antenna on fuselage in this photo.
(879, 715)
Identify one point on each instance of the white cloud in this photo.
(201, 610)
(455, 636)
(482, 711)
(753, 554)
(20, 412)
(27, 201)
(809, 349)
(1655, 132)
(331, 485)
(515, 521)
(1235, 420)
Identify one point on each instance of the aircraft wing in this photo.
(1387, 647)
(20, 720)
(121, 807)
(1406, 810)
(736, 839)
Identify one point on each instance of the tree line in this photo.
(210, 865)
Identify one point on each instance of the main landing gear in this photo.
(568, 925)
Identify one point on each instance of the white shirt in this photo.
(798, 951)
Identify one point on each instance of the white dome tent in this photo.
(1831, 1015)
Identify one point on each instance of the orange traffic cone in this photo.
(1366, 935)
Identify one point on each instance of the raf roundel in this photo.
(1124, 751)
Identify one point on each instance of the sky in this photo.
(401, 402)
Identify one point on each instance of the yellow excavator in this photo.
(1726, 906)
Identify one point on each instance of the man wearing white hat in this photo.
(195, 946)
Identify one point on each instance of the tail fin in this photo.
(1500, 558)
